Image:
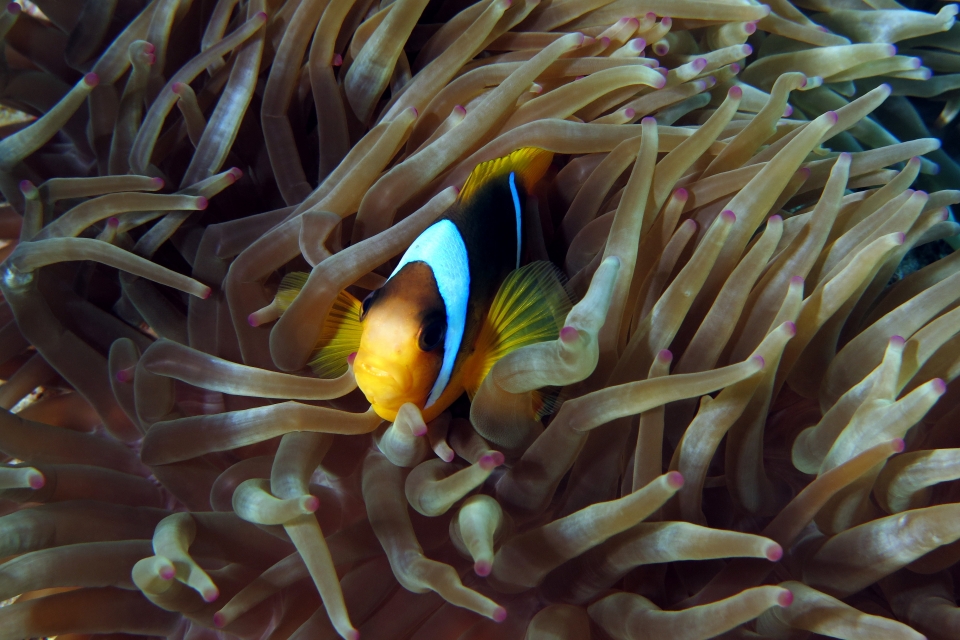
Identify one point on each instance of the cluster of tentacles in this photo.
(759, 435)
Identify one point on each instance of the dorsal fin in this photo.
(528, 163)
(340, 335)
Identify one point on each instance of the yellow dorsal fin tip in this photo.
(529, 164)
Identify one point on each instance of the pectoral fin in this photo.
(529, 308)
(340, 335)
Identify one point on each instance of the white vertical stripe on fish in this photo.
(516, 210)
(443, 250)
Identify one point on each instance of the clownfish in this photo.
(458, 300)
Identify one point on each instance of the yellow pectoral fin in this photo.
(290, 287)
(529, 164)
(339, 337)
(529, 308)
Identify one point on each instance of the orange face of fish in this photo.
(401, 349)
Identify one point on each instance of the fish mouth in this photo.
(385, 385)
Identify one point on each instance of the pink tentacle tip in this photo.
(785, 599)
(728, 216)
(351, 358)
(125, 375)
(207, 292)
(311, 504)
(675, 479)
(735, 67)
(482, 568)
(892, 49)
(202, 203)
(629, 113)
(337, 60)
(787, 111)
(699, 64)
(845, 156)
(219, 620)
(832, 116)
(797, 280)
(499, 614)
(460, 109)
(900, 238)
(14, 8)
(775, 219)
(649, 121)
(667, 21)
(760, 359)
(211, 595)
(665, 356)
(490, 461)
(605, 41)
(774, 552)
(158, 182)
(37, 481)
(750, 28)
(939, 386)
(149, 47)
(660, 49)
(113, 222)
(896, 341)
(681, 194)
(747, 50)
(352, 634)
(419, 430)
(261, 15)
(507, 4)
(169, 573)
(898, 445)
(252, 320)
(177, 87)
(569, 334)
(91, 79)
(582, 39)
(735, 92)
(415, 112)
(791, 327)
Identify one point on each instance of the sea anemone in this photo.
(757, 429)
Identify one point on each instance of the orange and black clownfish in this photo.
(458, 300)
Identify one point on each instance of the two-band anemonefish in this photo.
(457, 301)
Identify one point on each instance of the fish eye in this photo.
(431, 335)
